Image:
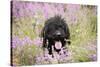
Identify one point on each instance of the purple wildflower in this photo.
(37, 41)
(93, 57)
(15, 41)
(72, 10)
(27, 40)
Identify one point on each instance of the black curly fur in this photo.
(50, 33)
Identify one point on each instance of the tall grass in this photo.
(28, 21)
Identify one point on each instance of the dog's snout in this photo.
(58, 33)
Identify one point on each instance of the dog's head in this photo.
(56, 28)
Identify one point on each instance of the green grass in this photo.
(82, 32)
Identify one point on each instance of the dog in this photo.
(55, 34)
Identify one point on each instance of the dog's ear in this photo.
(42, 33)
(67, 32)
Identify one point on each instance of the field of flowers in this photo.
(28, 19)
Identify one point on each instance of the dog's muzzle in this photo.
(58, 33)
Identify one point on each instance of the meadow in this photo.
(28, 19)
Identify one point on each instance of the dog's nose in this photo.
(58, 33)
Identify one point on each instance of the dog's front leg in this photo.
(50, 49)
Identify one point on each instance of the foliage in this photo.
(28, 21)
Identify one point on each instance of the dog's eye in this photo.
(61, 26)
